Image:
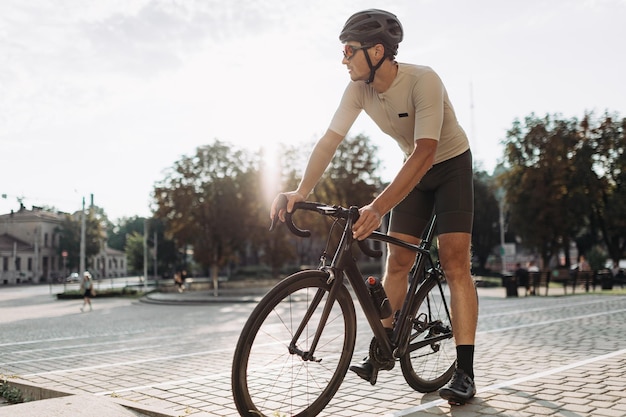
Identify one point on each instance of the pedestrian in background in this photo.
(521, 277)
(86, 286)
(179, 281)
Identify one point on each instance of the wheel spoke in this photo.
(267, 377)
(429, 361)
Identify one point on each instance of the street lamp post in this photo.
(502, 248)
(500, 194)
(145, 255)
(82, 239)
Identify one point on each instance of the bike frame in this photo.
(344, 264)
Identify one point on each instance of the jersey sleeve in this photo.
(349, 109)
(428, 97)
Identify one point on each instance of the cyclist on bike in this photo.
(410, 104)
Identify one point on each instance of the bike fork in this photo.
(317, 299)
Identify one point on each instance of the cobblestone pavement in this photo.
(536, 356)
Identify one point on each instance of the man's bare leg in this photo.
(454, 253)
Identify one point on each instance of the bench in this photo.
(584, 279)
(561, 276)
(619, 278)
(537, 280)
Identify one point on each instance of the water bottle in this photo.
(377, 292)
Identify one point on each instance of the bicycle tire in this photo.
(268, 380)
(429, 368)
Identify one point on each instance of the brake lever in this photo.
(280, 204)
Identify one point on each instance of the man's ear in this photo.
(379, 50)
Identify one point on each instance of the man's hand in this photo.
(292, 197)
(369, 220)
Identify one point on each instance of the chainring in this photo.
(378, 359)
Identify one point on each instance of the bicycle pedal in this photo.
(455, 402)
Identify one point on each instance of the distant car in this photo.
(73, 277)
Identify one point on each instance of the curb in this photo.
(200, 301)
(251, 295)
(37, 397)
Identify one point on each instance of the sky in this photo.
(102, 97)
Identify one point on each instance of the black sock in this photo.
(465, 359)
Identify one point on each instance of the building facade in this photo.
(30, 252)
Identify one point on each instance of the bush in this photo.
(11, 394)
(597, 258)
(115, 292)
(251, 271)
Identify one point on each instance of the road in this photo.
(120, 347)
(178, 358)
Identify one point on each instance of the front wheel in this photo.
(273, 372)
(431, 355)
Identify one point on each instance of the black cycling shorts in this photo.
(448, 188)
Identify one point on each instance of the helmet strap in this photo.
(373, 68)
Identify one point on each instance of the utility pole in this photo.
(145, 255)
(155, 254)
(501, 197)
(501, 220)
(82, 240)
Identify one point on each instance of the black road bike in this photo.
(295, 349)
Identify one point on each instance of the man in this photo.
(410, 104)
(521, 279)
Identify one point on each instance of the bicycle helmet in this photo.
(370, 27)
(373, 26)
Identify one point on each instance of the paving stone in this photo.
(532, 359)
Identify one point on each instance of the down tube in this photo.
(370, 311)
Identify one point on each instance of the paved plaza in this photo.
(536, 356)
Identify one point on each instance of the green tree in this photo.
(118, 233)
(351, 178)
(70, 236)
(134, 252)
(485, 230)
(535, 185)
(69, 241)
(549, 183)
(278, 247)
(167, 254)
(609, 206)
(203, 204)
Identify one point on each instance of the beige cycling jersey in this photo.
(416, 106)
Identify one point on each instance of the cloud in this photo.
(130, 85)
(64, 61)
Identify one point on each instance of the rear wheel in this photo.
(271, 376)
(431, 356)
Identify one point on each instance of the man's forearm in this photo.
(408, 177)
(319, 160)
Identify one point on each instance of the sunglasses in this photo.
(350, 50)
